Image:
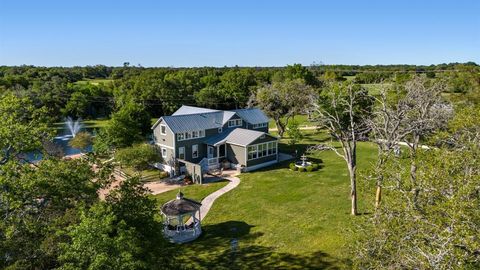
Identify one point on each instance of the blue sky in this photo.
(244, 33)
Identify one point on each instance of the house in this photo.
(196, 138)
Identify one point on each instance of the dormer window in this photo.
(235, 123)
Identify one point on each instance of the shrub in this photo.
(138, 156)
(292, 166)
(315, 167)
(163, 174)
(309, 168)
(301, 169)
(320, 160)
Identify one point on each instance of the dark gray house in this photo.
(213, 139)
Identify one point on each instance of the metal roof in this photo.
(191, 122)
(192, 110)
(189, 118)
(252, 115)
(243, 136)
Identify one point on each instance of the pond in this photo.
(59, 144)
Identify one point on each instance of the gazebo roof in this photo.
(180, 206)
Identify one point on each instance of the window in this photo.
(163, 129)
(261, 125)
(195, 151)
(262, 150)
(235, 123)
(190, 135)
(252, 152)
(220, 130)
(181, 152)
(164, 152)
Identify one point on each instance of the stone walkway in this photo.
(208, 201)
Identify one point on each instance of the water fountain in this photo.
(72, 127)
(303, 163)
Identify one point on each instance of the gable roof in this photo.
(243, 136)
(238, 136)
(191, 122)
(252, 115)
(192, 110)
(190, 118)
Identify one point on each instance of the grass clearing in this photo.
(281, 218)
(301, 119)
(95, 81)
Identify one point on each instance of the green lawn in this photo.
(282, 219)
(301, 119)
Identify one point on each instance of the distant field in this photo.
(95, 81)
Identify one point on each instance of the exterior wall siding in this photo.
(236, 154)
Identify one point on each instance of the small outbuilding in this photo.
(182, 224)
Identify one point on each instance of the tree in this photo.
(128, 125)
(425, 113)
(36, 203)
(343, 109)
(22, 128)
(294, 132)
(120, 233)
(282, 100)
(387, 131)
(138, 156)
(77, 105)
(436, 228)
(81, 141)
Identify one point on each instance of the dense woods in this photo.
(97, 91)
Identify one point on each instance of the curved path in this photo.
(208, 201)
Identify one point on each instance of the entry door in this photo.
(210, 152)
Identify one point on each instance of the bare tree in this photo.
(343, 109)
(425, 112)
(406, 118)
(387, 131)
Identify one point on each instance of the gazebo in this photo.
(180, 219)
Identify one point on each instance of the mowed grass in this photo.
(280, 218)
(301, 119)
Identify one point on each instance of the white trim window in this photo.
(181, 152)
(262, 150)
(261, 125)
(235, 123)
(195, 151)
(163, 129)
(183, 136)
(164, 152)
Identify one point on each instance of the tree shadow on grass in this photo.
(228, 246)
